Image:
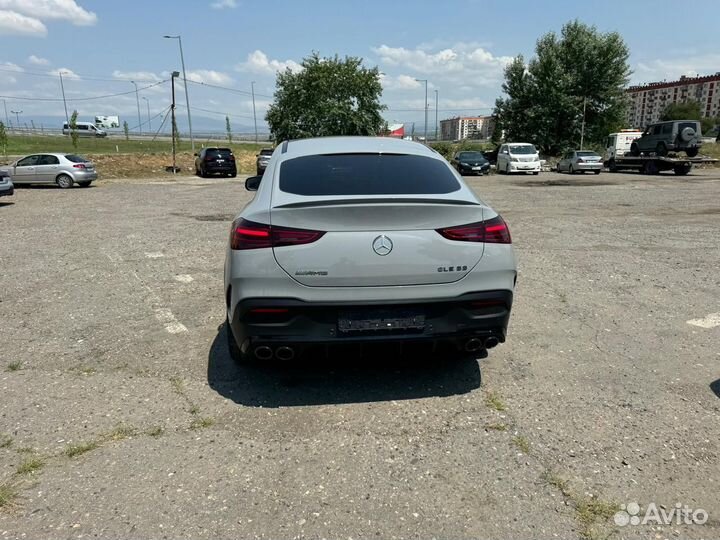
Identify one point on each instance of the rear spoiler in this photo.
(388, 200)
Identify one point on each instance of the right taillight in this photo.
(492, 231)
(250, 235)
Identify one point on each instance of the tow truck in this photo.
(620, 159)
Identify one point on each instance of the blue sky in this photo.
(460, 46)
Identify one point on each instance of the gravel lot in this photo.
(121, 414)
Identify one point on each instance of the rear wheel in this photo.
(571, 170)
(203, 173)
(64, 181)
(692, 152)
(682, 170)
(612, 167)
(85, 184)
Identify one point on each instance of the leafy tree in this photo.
(330, 96)
(580, 68)
(3, 139)
(228, 129)
(74, 135)
(126, 130)
(690, 110)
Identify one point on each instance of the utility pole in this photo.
(582, 129)
(252, 90)
(436, 115)
(62, 87)
(17, 117)
(187, 97)
(172, 109)
(147, 101)
(426, 106)
(7, 118)
(137, 99)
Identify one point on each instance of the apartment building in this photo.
(648, 101)
(466, 127)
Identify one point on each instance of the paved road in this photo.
(122, 416)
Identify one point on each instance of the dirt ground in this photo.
(121, 414)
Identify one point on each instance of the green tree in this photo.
(330, 96)
(581, 68)
(690, 110)
(126, 130)
(3, 139)
(74, 135)
(228, 129)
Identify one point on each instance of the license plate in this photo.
(220, 161)
(379, 321)
(477, 168)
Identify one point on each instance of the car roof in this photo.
(355, 145)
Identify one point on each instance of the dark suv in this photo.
(215, 161)
(263, 158)
(675, 135)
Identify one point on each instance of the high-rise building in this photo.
(649, 101)
(466, 127)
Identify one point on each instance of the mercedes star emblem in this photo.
(382, 245)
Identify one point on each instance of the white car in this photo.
(352, 240)
(518, 157)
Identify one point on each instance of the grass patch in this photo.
(76, 450)
(493, 401)
(591, 512)
(120, 433)
(194, 409)
(8, 494)
(155, 431)
(25, 450)
(5, 441)
(177, 385)
(522, 444)
(557, 482)
(14, 366)
(30, 465)
(200, 423)
(496, 427)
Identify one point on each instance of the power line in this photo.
(243, 92)
(215, 112)
(85, 98)
(75, 76)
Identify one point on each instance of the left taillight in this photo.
(250, 235)
(79, 166)
(492, 231)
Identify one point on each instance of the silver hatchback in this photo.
(56, 168)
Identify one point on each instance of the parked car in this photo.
(580, 161)
(57, 168)
(6, 185)
(262, 160)
(663, 137)
(468, 162)
(213, 160)
(518, 157)
(85, 129)
(352, 240)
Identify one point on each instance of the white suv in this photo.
(518, 157)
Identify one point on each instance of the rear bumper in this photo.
(220, 168)
(85, 176)
(588, 166)
(6, 190)
(477, 315)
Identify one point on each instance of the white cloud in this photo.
(208, 76)
(673, 68)
(13, 23)
(66, 73)
(224, 4)
(9, 66)
(137, 76)
(38, 61)
(258, 62)
(66, 10)
(401, 82)
(459, 58)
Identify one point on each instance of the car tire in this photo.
(692, 152)
(203, 174)
(85, 184)
(687, 134)
(64, 181)
(597, 172)
(634, 150)
(571, 170)
(682, 170)
(612, 167)
(507, 169)
(236, 354)
(258, 172)
(661, 149)
(535, 173)
(233, 175)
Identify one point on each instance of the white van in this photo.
(618, 144)
(518, 157)
(85, 129)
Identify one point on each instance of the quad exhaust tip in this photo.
(473, 344)
(263, 352)
(491, 342)
(284, 353)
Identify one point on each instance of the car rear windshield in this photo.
(584, 154)
(218, 152)
(366, 174)
(692, 125)
(75, 159)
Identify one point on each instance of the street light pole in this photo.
(436, 115)
(582, 129)
(7, 118)
(17, 118)
(147, 102)
(252, 89)
(174, 125)
(62, 87)
(426, 106)
(187, 98)
(137, 99)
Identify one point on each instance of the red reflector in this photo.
(492, 231)
(250, 235)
